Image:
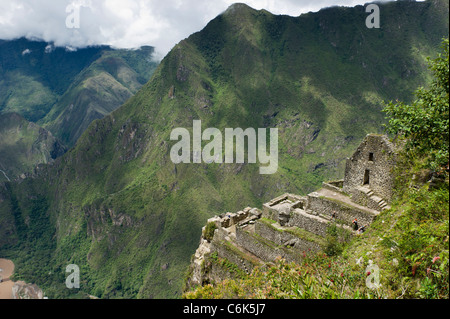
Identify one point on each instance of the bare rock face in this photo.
(197, 263)
(22, 290)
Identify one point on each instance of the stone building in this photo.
(370, 168)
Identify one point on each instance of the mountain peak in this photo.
(237, 8)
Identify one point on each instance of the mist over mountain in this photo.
(128, 24)
(117, 206)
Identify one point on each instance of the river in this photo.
(6, 271)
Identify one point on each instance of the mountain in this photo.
(116, 204)
(63, 90)
(103, 86)
(33, 74)
(24, 145)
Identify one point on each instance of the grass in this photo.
(24, 145)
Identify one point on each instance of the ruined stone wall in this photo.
(372, 164)
(290, 225)
(223, 234)
(359, 197)
(259, 249)
(336, 186)
(271, 209)
(224, 250)
(217, 273)
(344, 213)
(280, 237)
(308, 222)
(264, 249)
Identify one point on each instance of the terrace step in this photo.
(370, 194)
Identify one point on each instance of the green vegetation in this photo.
(227, 265)
(319, 277)
(424, 123)
(97, 90)
(209, 231)
(297, 232)
(118, 207)
(24, 145)
(336, 239)
(408, 244)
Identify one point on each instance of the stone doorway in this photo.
(366, 177)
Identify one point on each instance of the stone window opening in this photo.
(370, 157)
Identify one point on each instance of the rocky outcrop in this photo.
(22, 290)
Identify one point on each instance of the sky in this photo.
(129, 23)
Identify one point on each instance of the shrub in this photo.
(425, 123)
(209, 231)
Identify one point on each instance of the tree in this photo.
(425, 123)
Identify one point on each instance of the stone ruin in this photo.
(369, 171)
(290, 226)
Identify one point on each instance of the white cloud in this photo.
(131, 23)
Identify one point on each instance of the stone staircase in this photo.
(374, 198)
(324, 202)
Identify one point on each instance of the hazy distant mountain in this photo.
(98, 90)
(64, 90)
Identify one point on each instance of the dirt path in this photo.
(6, 271)
(5, 175)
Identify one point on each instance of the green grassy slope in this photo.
(31, 83)
(41, 82)
(120, 209)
